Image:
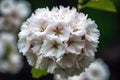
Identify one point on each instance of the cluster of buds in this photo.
(10, 59)
(13, 14)
(97, 70)
(60, 40)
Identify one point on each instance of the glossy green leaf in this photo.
(37, 73)
(106, 5)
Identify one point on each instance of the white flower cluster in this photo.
(98, 70)
(60, 40)
(13, 13)
(10, 59)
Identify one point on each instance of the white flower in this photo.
(15, 62)
(46, 63)
(58, 77)
(4, 24)
(24, 44)
(82, 76)
(77, 65)
(19, 8)
(59, 30)
(14, 13)
(75, 44)
(92, 33)
(31, 58)
(7, 37)
(67, 60)
(97, 71)
(14, 21)
(60, 40)
(23, 9)
(78, 24)
(10, 59)
(84, 61)
(6, 6)
(4, 67)
(53, 48)
(90, 48)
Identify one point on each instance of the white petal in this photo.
(67, 60)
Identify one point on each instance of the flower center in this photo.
(70, 42)
(83, 37)
(57, 31)
(55, 45)
(95, 73)
(42, 28)
(40, 42)
(74, 30)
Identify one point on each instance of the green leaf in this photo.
(37, 73)
(106, 5)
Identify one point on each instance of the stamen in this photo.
(57, 31)
(42, 28)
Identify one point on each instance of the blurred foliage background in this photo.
(109, 46)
